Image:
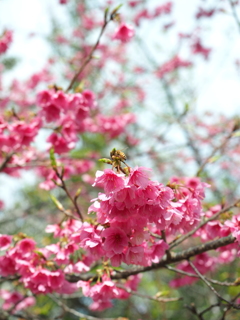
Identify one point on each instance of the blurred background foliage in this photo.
(171, 136)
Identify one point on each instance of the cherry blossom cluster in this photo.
(36, 273)
(72, 115)
(21, 93)
(216, 228)
(18, 134)
(163, 9)
(189, 192)
(116, 236)
(131, 214)
(103, 292)
(135, 197)
(226, 254)
(172, 65)
(15, 301)
(72, 167)
(133, 220)
(43, 270)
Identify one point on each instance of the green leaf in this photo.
(214, 159)
(236, 134)
(52, 158)
(57, 203)
(9, 63)
(106, 14)
(116, 9)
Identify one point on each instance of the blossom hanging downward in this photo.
(124, 33)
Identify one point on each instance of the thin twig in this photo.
(193, 309)
(90, 55)
(214, 151)
(68, 214)
(210, 307)
(75, 312)
(64, 187)
(226, 284)
(211, 287)
(168, 253)
(158, 299)
(5, 161)
(229, 307)
(234, 13)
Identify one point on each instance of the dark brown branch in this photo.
(175, 257)
(192, 308)
(6, 160)
(9, 278)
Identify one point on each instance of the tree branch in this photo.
(175, 257)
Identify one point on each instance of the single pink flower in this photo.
(124, 33)
(109, 180)
(60, 144)
(26, 246)
(115, 239)
(139, 177)
(7, 265)
(5, 241)
(5, 40)
(134, 255)
(56, 279)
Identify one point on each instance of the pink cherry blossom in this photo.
(111, 181)
(171, 65)
(5, 40)
(205, 13)
(139, 177)
(60, 144)
(134, 255)
(7, 265)
(163, 9)
(5, 241)
(115, 239)
(198, 48)
(124, 33)
(25, 247)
